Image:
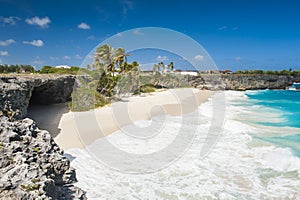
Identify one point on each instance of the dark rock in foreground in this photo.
(32, 166)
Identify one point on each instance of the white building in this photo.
(189, 73)
(63, 66)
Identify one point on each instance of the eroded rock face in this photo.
(17, 91)
(32, 166)
(242, 82)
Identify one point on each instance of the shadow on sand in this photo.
(48, 117)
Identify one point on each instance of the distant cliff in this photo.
(242, 82)
(16, 92)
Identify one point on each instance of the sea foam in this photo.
(233, 169)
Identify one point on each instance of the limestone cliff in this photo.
(17, 91)
(242, 82)
(32, 166)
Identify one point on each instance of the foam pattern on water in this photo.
(233, 170)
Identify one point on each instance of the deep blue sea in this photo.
(281, 109)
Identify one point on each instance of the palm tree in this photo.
(162, 65)
(104, 55)
(120, 59)
(171, 66)
(108, 59)
(155, 68)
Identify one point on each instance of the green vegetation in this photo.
(289, 72)
(109, 76)
(30, 187)
(28, 69)
(85, 98)
(4, 69)
(147, 88)
(53, 70)
(10, 114)
(161, 67)
(36, 149)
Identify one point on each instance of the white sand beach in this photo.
(71, 126)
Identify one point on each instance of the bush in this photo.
(86, 98)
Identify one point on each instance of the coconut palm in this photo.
(162, 66)
(155, 68)
(171, 66)
(103, 58)
(109, 58)
(120, 59)
(104, 53)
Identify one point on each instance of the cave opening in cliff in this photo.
(46, 95)
(46, 106)
(38, 97)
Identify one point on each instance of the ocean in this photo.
(257, 155)
(284, 103)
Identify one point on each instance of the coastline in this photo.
(103, 121)
(234, 169)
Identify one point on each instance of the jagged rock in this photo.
(242, 82)
(32, 166)
(17, 91)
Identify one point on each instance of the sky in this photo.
(237, 34)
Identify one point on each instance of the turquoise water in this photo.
(282, 113)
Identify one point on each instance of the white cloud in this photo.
(119, 34)
(162, 58)
(7, 42)
(9, 20)
(222, 28)
(37, 43)
(199, 57)
(42, 22)
(66, 57)
(237, 58)
(83, 26)
(3, 53)
(0, 61)
(137, 32)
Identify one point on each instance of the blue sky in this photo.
(238, 34)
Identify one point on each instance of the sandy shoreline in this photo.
(77, 129)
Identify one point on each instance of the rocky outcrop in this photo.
(32, 166)
(17, 91)
(242, 82)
